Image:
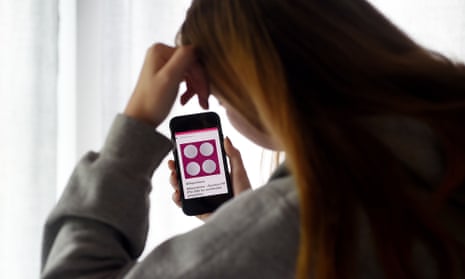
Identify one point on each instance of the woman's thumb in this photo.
(239, 177)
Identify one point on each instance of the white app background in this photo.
(201, 178)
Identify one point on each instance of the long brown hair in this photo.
(307, 72)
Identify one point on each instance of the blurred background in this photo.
(67, 67)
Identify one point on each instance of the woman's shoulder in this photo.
(277, 197)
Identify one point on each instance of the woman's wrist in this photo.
(139, 109)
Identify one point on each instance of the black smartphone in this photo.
(201, 165)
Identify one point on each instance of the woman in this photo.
(371, 125)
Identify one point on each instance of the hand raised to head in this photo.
(163, 70)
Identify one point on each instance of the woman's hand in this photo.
(157, 87)
(240, 180)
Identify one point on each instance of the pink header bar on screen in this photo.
(196, 131)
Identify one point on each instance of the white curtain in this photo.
(68, 66)
(28, 80)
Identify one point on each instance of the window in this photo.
(67, 67)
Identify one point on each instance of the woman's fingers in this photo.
(196, 84)
(239, 177)
(186, 96)
(173, 175)
(171, 165)
(179, 64)
(157, 87)
(156, 57)
(177, 198)
(174, 181)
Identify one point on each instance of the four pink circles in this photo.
(200, 159)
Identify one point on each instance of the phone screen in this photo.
(201, 163)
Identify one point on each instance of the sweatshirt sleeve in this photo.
(102, 215)
(99, 226)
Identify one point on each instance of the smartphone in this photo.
(201, 164)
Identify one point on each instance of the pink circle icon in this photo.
(209, 166)
(190, 151)
(193, 168)
(206, 149)
(200, 158)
